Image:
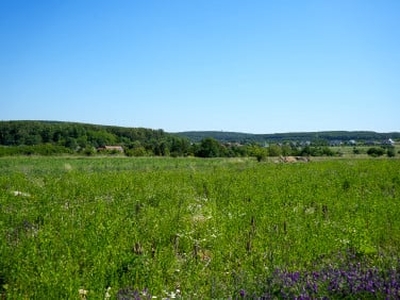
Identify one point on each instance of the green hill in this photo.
(79, 137)
(244, 138)
(54, 137)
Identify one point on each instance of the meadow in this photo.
(158, 228)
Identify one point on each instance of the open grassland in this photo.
(120, 228)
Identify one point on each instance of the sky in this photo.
(255, 66)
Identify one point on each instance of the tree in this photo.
(286, 150)
(274, 150)
(261, 154)
(71, 143)
(179, 146)
(209, 147)
(34, 139)
(80, 137)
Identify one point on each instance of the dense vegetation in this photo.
(64, 137)
(299, 137)
(137, 228)
(50, 138)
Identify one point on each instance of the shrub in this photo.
(391, 152)
(375, 152)
(261, 154)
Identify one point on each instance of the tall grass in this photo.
(191, 228)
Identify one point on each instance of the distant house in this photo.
(305, 143)
(388, 142)
(335, 143)
(111, 148)
(352, 142)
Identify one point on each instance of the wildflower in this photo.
(309, 211)
(173, 295)
(145, 292)
(83, 293)
(107, 295)
(199, 218)
(242, 293)
(21, 194)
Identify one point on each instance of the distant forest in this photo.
(328, 136)
(49, 137)
(52, 137)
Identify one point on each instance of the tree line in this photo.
(327, 136)
(52, 138)
(48, 137)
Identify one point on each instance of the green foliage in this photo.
(137, 151)
(375, 151)
(260, 153)
(88, 151)
(38, 138)
(206, 227)
(274, 150)
(317, 151)
(209, 147)
(391, 152)
(357, 151)
(317, 138)
(41, 149)
(76, 137)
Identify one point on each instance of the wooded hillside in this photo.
(52, 137)
(244, 138)
(87, 137)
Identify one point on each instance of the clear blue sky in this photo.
(249, 66)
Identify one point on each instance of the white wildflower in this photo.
(309, 211)
(67, 167)
(107, 295)
(19, 193)
(83, 293)
(173, 294)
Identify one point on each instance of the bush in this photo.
(42, 149)
(89, 151)
(375, 152)
(138, 151)
(261, 154)
(316, 151)
(391, 152)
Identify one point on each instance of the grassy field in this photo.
(142, 228)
